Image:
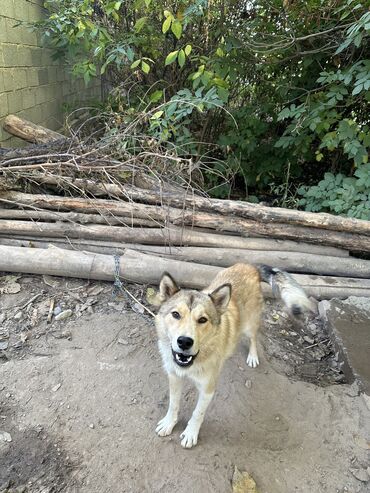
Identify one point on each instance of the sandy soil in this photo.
(81, 399)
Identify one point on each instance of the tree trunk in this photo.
(142, 268)
(222, 257)
(29, 131)
(229, 208)
(74, 217)
(194, 218)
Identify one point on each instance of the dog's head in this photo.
(188, 319)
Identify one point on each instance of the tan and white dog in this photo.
(199, 330)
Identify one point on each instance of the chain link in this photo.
(117, 285)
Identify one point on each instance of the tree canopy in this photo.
(272, 94)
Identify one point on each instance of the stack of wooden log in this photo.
(160, 227)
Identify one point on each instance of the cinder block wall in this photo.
(32, 85)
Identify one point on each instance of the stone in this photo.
(309, 340)
(63, 315)
(5, 436)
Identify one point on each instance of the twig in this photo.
(138, 302)
(31, 300)
(316, 344)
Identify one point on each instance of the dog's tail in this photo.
(285, 287)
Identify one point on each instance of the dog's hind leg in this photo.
(165, 425)
(250, 329)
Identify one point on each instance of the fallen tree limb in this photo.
(142, 268)
(194, 218)
(154, 236)
(288, 261)
(29, 131)
(221, 257)
(75, 217)
(229, 208)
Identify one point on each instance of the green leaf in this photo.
(171, 57)
(145, 67)
(147, 3)
(140, 23)
(357, 89)
(176, 28)
(156, 96)
(136, 63)
(157, 115)
(188, 49)
(166, 25)
(181, 58)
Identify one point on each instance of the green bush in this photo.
(268, 91)
(339, 194)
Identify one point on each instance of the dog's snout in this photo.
(185, 342)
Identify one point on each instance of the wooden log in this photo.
(35, 153)
(75, 217)
(229, 208)
(29, 131)
(142, 268)
(288, 261)
(222, 257)
(155, 236)
(190, 218)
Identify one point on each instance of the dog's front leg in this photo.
(165, 425)
(190, 434)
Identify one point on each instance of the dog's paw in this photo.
(252, 360)
(165, 426)
(189, 437)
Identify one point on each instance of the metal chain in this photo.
(117, 285)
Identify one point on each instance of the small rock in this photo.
(2, 317)
(18, 316)
(4, 345)
(91, 425)
(5, 436)
(360, 474)
(248, 384)
(63, 315)
(56, 387)
(57, 310)
(138, 308)
(312, 328)
(123, 341)
(24, 336)
(283, 332)
(292, 333)
(309, 339)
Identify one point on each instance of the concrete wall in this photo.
(32, 85)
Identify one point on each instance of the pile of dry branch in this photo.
(92, 206)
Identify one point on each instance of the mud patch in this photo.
(34, 462)
(301, 350)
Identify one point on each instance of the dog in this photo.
(199, 330)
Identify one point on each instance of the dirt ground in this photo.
(80, 399)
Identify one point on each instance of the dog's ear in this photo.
(167, 288)
(221, 297)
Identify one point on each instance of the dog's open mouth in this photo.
(183, 359)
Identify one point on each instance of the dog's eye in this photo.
(176, 315)
(202, 320)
